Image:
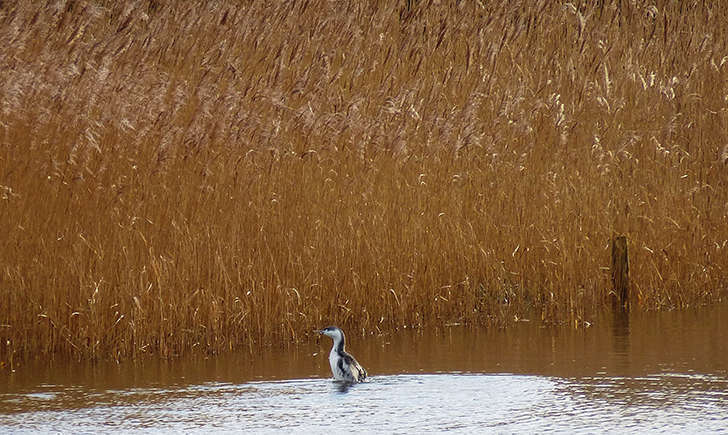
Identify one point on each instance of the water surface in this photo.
(665, 372)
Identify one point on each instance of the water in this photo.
(665, 372)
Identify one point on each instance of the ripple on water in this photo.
(397, 404)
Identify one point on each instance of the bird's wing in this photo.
(362, 372)
(356, 369)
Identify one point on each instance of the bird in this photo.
(343, 365)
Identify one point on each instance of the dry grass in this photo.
(214, 175)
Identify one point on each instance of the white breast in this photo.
(333, 362)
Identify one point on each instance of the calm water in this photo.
(663, 372)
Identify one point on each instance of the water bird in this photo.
(343, 365)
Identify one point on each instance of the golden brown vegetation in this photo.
(216, 174)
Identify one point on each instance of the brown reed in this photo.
(196, 175)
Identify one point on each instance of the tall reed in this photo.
(195, 175)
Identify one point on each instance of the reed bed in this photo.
(182, 176)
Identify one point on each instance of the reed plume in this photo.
(194, 175)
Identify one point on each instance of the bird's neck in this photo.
(339, 344)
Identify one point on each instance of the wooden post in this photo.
(620, 272)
